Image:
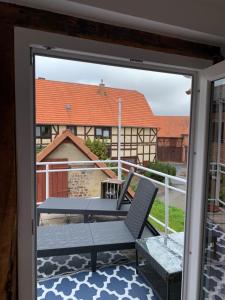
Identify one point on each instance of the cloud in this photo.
(165, 92)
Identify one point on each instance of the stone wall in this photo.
(78, 184)
(85, 183)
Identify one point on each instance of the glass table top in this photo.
(167, 251)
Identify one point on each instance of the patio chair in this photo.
(92, 238)
(88, 206)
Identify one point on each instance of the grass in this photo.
(134, 183)
(176, 216)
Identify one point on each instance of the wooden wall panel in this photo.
(8, 204)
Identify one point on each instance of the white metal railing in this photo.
(70, 163)
(167, 187)
(119, 166)
(217, 170)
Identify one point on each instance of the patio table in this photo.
(163, 265)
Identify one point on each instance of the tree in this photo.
(98, 147)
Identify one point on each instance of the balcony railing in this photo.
(121, 165)
(217, 170)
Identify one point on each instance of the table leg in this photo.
(167, 290)
(137, 261)
(86, 217)
(93, 260)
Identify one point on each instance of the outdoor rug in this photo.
(69, 277)
(108, 283)
(214, 267)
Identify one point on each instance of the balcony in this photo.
(69, 276)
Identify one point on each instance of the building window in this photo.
(43, 131)
(72, 129)
(102, 132)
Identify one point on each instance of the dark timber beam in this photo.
(57, 23)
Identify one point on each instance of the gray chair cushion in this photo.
(66, 204)
(111, 233)
(98, 205)
(104, 236)
(60, 205)
(63, 239)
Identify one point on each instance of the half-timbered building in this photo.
(173, 138)
(91, 111)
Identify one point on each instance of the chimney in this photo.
(68, 107)
(102, 90)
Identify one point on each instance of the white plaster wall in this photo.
(80, 130)
(69, 151)
(62, 128)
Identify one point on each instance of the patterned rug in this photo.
(59, 278)
(62, 265)
(214, 268)
(69, 277)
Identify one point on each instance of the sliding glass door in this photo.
(213, 261)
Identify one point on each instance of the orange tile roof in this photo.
(173, 126)
(79, 143)
(64, 103)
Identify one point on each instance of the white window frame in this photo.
(197, 181)
(29, 42)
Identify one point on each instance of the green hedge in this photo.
(161, 167)
(98, 147)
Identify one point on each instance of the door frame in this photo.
(194, 237)
(29, 42)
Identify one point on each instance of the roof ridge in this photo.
(90, 107)
(87, 84)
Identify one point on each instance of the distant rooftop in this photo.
(173, 126)
(65, 103)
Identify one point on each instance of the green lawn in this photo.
(176, 216)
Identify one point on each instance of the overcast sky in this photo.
(164, 92)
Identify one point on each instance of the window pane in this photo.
(38, 131)
(71, 128)
(214, 250)
(45, 131)
(98, 131)
(106, 133)
(215, 131)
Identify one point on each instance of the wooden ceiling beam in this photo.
(72, 26)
